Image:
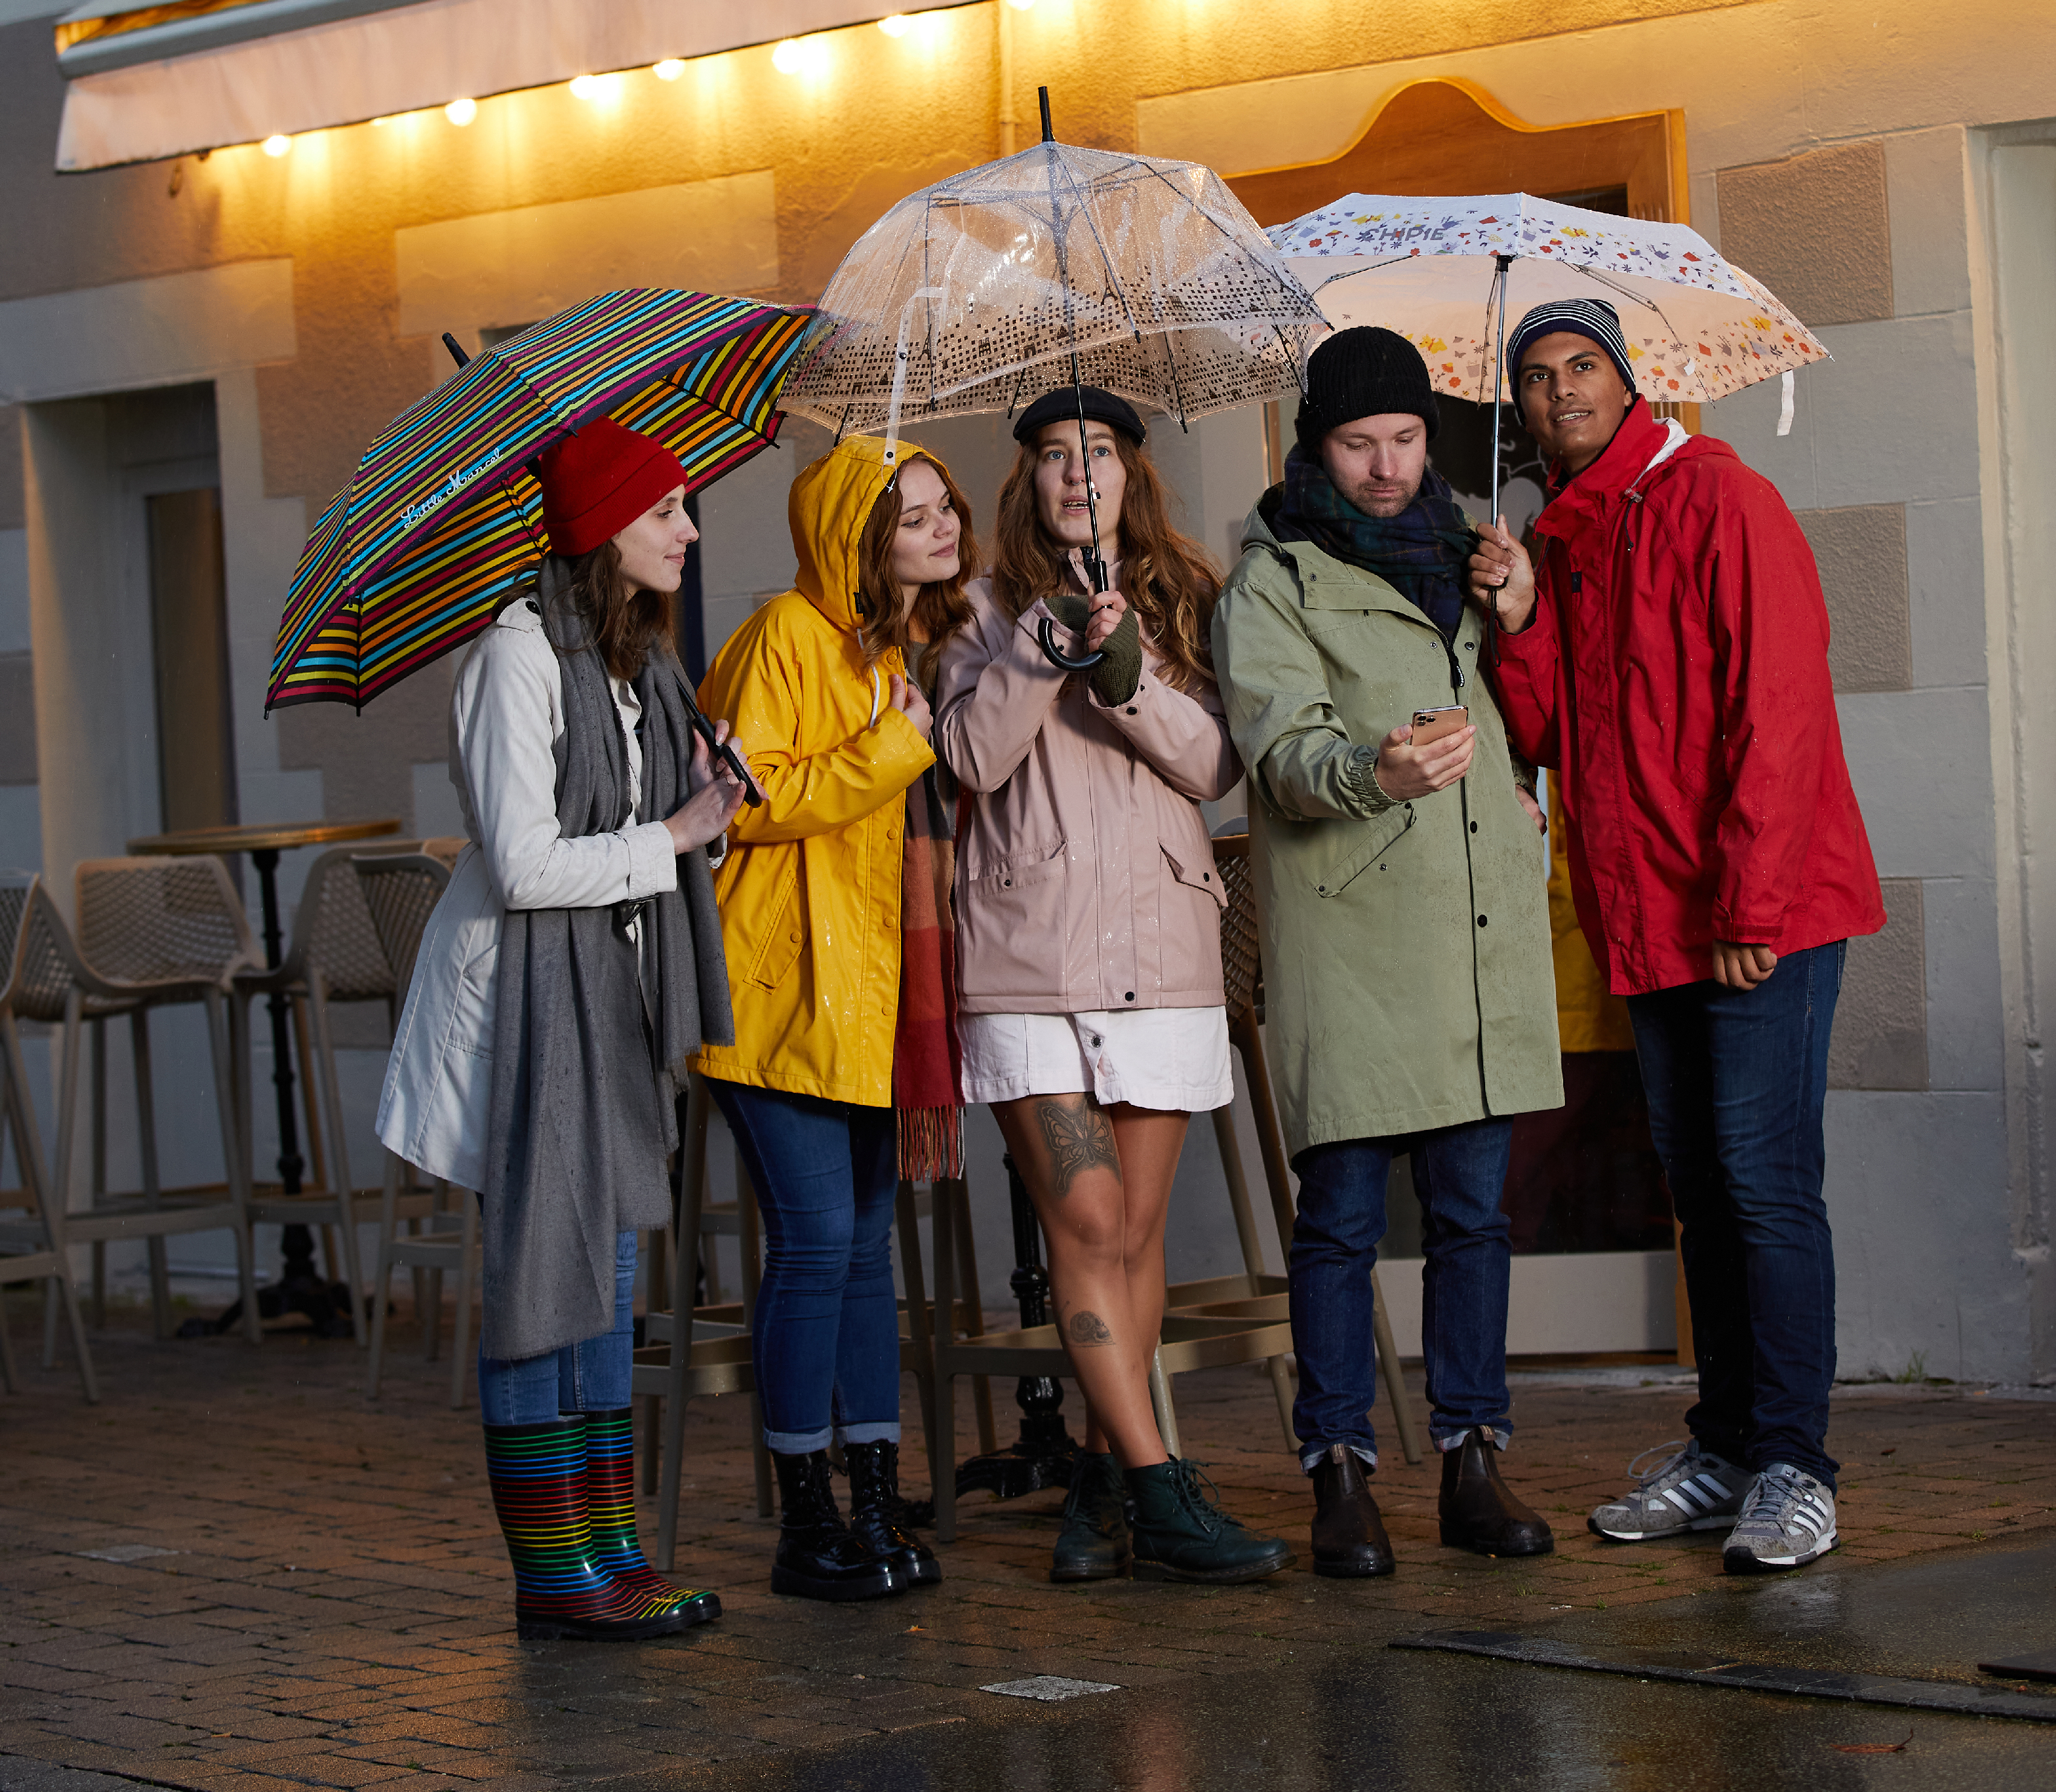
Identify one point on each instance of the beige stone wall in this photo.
(1828, 144)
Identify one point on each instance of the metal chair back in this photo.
(1242, 959)
(332, 931)
(401, 891)
(149, 920)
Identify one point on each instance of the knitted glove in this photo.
(1115, 680)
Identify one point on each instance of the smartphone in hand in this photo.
(1434, 725)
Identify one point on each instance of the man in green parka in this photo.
(1411, 1004)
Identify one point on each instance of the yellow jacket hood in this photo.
(829, 505)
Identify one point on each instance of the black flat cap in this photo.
(1061, 406)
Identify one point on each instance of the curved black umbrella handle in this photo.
(1046, 633)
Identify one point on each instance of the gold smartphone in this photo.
(1434, 725)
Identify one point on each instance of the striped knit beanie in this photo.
(1591, 317)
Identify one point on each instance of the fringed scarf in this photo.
(926, 1058)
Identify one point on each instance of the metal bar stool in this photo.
(29, 1250)
(1241, 963)
(400, 892)
(153, 933)
(334, 957)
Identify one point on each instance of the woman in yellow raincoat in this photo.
(816, 684)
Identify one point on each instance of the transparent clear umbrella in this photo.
(1144, 276)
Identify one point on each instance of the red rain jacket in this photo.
(1675, 676)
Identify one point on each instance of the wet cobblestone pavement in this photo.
(238, 1574)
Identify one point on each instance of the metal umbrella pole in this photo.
(1045, 1452)
(1095, 561)
(1498, 405)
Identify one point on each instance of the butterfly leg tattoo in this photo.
(1080, 1138)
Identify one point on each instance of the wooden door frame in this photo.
(1446, 134)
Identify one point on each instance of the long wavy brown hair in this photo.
(622, 624)
(940, 609)
(1170, 580)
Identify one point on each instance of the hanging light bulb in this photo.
(461, 112)
(277, 146)
(668, 69)
(895, 26)
(797, 56)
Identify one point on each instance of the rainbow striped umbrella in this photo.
(443, 522)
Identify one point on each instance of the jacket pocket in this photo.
(1200, 876)
(783, 940)
(1372, 838)
(1019, 871)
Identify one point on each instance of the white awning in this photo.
(147, 81)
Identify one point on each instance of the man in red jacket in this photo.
(1665, 655)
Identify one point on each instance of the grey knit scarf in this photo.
(589, 1050)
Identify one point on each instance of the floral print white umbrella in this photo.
(1443, 271)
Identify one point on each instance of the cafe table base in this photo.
(299, 1289)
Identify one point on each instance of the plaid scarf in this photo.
(1420, 552)
(927, 1058)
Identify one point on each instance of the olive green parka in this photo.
(1406, 948)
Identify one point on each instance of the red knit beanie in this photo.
(598, 481)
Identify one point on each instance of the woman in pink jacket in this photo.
(1089, 937)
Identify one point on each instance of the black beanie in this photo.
(1364, 372)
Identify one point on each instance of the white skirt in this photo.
(1172, 1059)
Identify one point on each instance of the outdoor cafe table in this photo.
(299, 1289)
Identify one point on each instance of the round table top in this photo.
(261, 836)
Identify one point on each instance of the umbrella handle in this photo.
(725, 750)
(1045, 633)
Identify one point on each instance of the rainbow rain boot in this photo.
(538, 1477)
(610, 1499)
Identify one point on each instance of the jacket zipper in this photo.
(1470, 882)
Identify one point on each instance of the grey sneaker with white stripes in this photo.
(1691, 1490)
(1788, 1520)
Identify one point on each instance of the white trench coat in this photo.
(507, 715)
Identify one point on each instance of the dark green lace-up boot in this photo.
(1181, 1533)
(1094, 1544)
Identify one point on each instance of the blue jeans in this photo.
(1459, 1175)
(1737, 1079)
(826, 1342)
(592, 1376)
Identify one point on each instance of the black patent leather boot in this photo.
(817, 1556)
(1479, 1511)
(878, 1516)
(1349, 1543)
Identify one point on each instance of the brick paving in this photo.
(310, 1591)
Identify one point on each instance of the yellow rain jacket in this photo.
(809, 892)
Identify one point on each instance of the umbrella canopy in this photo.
(1698, 327)
(1143, 276)
(443, 521)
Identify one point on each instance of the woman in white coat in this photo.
(571, 966)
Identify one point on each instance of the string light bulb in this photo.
(461, 112)
(278, 145)
(795, 56)
(668, 69)
(895, 26)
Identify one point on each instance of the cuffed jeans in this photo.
(1737, 1079)
(1459, 1175)
(591, 1376)
(826, 1341)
